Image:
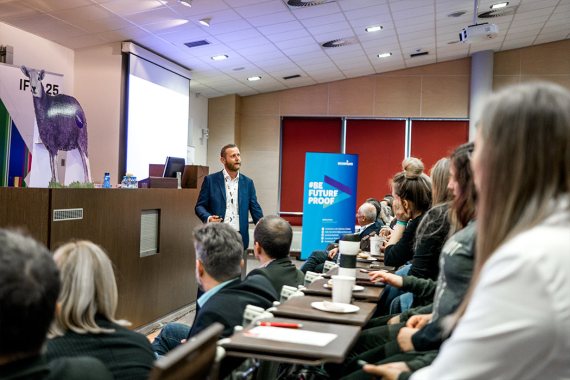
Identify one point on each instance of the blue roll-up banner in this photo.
(329, 204)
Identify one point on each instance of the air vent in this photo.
(196, 43)
(414, 55)
(498, 12)
(306, 3)
(292, 76)
(338, 42)
(67, 214)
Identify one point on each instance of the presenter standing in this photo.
(229, 196)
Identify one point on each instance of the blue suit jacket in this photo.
(212, 201)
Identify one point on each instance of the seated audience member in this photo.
(410, 339)
(29, 286)
(366, 218)
(409, 244)
(515, 321)
(218, 270)
(378, 206)
(85, 323)
(272, 241)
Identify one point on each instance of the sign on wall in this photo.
(329, 201)
(24, 156)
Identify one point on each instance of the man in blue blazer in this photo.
(229, 196)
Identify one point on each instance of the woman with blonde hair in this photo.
(515, 324)
(85, 323)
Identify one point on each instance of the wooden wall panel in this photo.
(27, 210)
(149, 287)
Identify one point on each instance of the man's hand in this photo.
(332, 253)
(394, 320)
(389, 371)
(386, 277)
(418, 321)
(405, 338)
(214, 219)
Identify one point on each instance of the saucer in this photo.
(332, 307)
(355, 288)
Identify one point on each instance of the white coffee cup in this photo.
(375, 244)
(347, 272)
(348, 247)
(342, 288)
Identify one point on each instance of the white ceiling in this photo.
(272, 39)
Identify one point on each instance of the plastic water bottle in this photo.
(107, 181)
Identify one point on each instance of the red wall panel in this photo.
(299, 136)
(380, 146)
(434, 139)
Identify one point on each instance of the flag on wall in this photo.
(15, 158)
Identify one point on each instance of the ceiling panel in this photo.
(268, 37)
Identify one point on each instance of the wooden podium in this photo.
(192, 177)
(150, 286)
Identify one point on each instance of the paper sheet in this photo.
(297, 336)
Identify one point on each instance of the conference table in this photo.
(314, 343)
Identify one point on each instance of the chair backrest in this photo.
(328, 266)
(251, 313)
(312, 276)
(192, 360)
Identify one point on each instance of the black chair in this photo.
(192, 360)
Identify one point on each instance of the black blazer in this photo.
(228, 304)
(281, 272)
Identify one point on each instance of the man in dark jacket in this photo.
(218, 269)
(272, 242)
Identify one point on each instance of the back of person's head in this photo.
(439, 175)
(274, 235)
(367, 211)
(220, 249)
(88, 288)
(521, 161)
(413, 185)
(29, 285)
(464, 203)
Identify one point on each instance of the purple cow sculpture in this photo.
(61, 123)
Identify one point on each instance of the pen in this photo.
(281, 324)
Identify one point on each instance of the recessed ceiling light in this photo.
(205, 21)
(220, 57)
(499, 5)
(384, 55)
(254, 78)
(375, 28)
(186, 3)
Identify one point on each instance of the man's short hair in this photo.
(226, 147)
(368, 211)
(29, 287)
(219, 247)
(274, 235)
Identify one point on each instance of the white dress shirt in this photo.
(232, 211)
(517, 325)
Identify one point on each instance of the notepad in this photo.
(297, 336)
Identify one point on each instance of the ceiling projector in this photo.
(478, 32)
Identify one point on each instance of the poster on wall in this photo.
(329, 201)
(29, 152)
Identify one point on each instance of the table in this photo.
(300, 308)
(242, 345)
(370, 293)
(362, 277)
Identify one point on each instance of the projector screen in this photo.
(157, 115)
